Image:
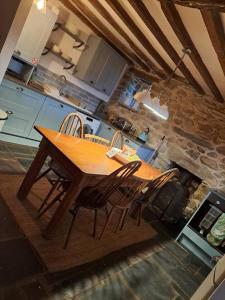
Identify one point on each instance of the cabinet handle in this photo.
(109, 128)
(61, 105)
(92, 81)
(9, 112)
(19, 89)
(127, 141)
(104, 90)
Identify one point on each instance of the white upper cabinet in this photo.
(100, 66)
(35, 34)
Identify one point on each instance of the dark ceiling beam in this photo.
(106, 35)
(178, 27)
(131, 24)
(215, 29)
(143, 75)
(219, 4)
(149, 21)
(108, 17)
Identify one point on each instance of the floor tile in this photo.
(9, 228)
(148, 281)
(110, 289)
(11, 166)
(17, 261)
(183, 278)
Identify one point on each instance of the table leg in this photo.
(33, 170)
(73, 192)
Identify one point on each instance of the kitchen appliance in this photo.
(123, 124)
(143, 136)
(194, 234)
(89, 122)
(19, 69)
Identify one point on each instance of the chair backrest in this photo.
(160, 181)
(97, 139)
(118, 140)
(109, 184)
(72, 125)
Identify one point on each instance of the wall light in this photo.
(40, 4)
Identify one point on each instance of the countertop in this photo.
(82, 110)
(62, 100)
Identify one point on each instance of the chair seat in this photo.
(91, 198)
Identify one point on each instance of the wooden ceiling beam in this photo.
(130, 23)
(149, 21)
(108, 17)
(218, 4)
(105, 34)
(215, 29)
(143, 75)
(178, 27)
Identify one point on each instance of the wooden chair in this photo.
(150, 188)
(96, 197)
(71, 125)
(97, 139)
(118, 140)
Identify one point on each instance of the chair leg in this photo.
(54, 186)
(123, 219)
(42, 175)
(120, 221)
(139, 214)
(95, 222)
(75, 211)
(107, 222)
(57, 198)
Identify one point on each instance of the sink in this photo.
(54, 92)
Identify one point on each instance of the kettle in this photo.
(144, 135)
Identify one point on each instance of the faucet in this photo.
(63, 81)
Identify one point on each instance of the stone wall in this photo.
(195, 131)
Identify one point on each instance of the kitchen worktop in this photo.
(60, 99)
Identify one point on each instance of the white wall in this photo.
(13, 35)
(65, 43)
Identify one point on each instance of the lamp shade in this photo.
(152, 104)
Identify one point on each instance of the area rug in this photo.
(82, 247)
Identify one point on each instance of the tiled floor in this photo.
(157, 269)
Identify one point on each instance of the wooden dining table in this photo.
(82, 160)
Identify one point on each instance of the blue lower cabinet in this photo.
(23, 105)
(51, 116)
(145, 153)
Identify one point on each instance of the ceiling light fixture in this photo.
(40, 4)
(153, 104)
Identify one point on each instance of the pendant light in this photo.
(153, 104)
(41, 5)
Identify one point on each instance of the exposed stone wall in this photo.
(195, 131)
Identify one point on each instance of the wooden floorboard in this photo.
(82, 247)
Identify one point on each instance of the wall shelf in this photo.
(69, 63)
(78, 41)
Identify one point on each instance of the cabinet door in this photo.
(106, 131)
(130, 143)
(35, 34)
(24, 106)
(111, 72)
(97, 65)
(51, 116)
(145, 153)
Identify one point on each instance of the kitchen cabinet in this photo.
(51, 116)
(23, 105)
(100, 66)
(35, 34)
(106, 131)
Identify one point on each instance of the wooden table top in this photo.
(90, 157)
